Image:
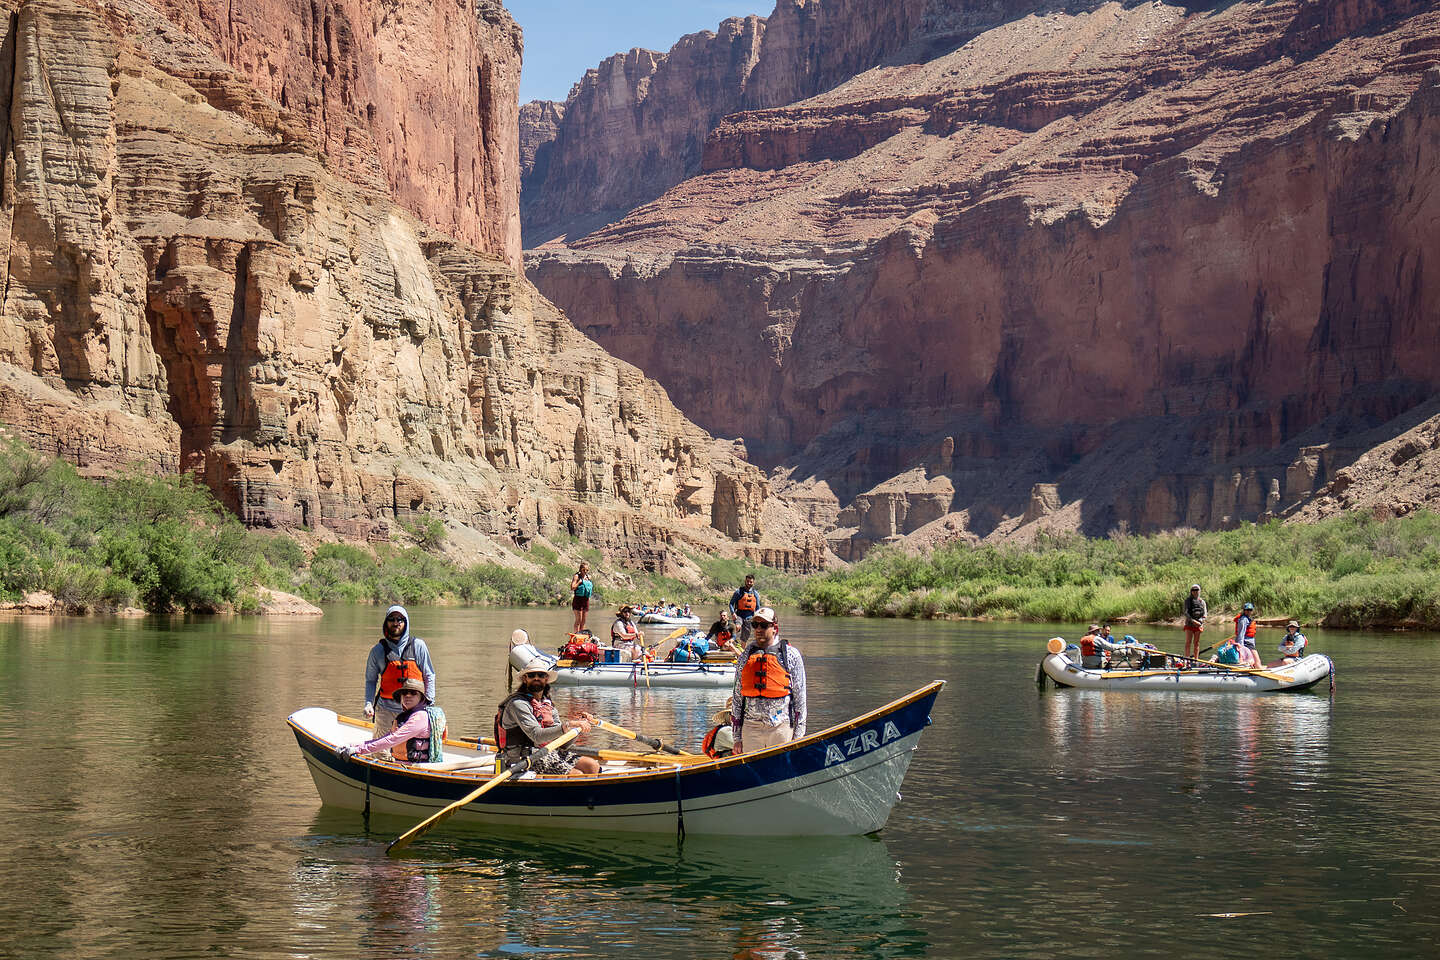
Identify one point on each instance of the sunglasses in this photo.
(535, 676)
(394, 619)
(762, 625)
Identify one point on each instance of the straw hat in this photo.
(540, 665)
(723, 715)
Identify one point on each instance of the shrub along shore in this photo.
(164, 543)
(1349, 571)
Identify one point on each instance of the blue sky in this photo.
(564, 38)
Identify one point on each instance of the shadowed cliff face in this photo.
(190, 284)
(1130, 265)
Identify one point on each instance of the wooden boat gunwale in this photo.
(792, 789)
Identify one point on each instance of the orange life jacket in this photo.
(748, 602)
(764, 675)
(1249, 627)
(1087, 646)
(395, 673)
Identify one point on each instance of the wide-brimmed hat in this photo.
(1294, 624)
(763, 615)
(518, 636)
(1194, 586)
(540, 665)
(410, 683)
(723, 714)
(1094, 627)
(625, 608)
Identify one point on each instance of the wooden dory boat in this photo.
(840, 781)
(658, 673)
(1290, 678)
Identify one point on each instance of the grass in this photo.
(165, 543)
(1348, 571)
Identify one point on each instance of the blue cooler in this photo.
(612, 656)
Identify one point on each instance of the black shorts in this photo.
(580, 603)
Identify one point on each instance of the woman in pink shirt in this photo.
(418, 730)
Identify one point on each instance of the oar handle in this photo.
(653, 743)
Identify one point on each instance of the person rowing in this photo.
(527, 719)
(1292, 646)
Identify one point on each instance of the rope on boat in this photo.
(679, 811)
(1332, 674)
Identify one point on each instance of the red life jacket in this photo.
(1088, 647)
(544, 712)
(764, 674)
(708, 744)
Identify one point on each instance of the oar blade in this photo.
(425, 826)
(429, 823)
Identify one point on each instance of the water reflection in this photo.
(588, 892)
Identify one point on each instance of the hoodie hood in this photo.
(399, 644)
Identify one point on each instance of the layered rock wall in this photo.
(418, 95)
(189, 283)
(1153, 258)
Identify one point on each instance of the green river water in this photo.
(156, 806)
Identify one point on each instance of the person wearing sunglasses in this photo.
(419, 729)
(527, 719)
(768, 703)
(396, 658)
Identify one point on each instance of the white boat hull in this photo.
(841, 781)
(1292, 677)
(660, 674)
(668, 621)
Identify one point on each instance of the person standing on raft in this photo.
(1195, 613)
(768, 703)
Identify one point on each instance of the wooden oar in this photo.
(429, 823)
(1224, 666)
(619, 756)
(651, 742)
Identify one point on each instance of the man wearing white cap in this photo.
(768, 705)
(527, 719)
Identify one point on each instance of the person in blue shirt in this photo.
(1292, 647)
(743, 605)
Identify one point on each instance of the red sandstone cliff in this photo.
(636, 125)
(416, 94)
(1138, 266)
(193, 279)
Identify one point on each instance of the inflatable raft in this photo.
(1062, 666)
(634, 674)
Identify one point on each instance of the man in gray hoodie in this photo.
(395, 658)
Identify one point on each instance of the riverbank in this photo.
(139, 543)
(1351, 571)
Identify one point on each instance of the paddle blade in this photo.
(430, 823)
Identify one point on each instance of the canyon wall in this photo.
(412, 93)
(192, 280)
(1112, 266)
(636, 125)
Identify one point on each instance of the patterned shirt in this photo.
(771, 711)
